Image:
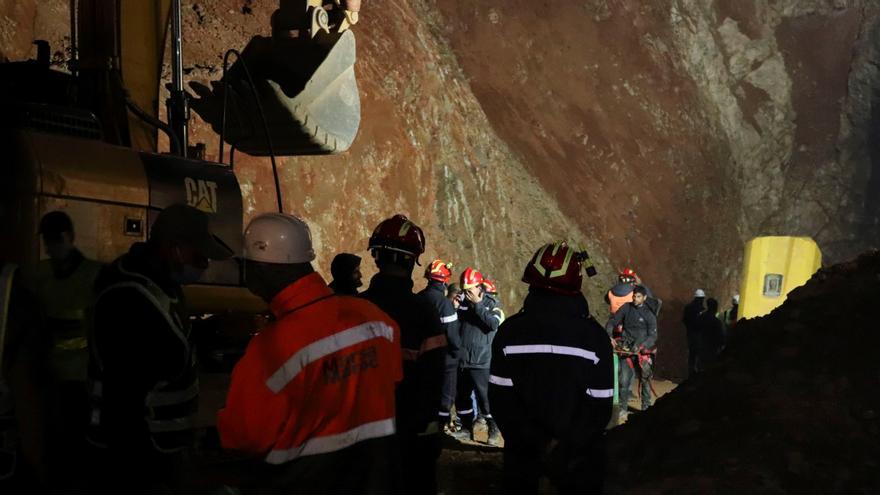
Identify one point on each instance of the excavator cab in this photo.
(293, 93)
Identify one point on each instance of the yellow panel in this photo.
(773, 267)
(143, 26)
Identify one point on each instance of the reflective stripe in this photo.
(466, 411)
(601, 393)
(449, 319)
(168, 425)
(74, 344)
(551, 349)
(445, 414)
(324, 347)
(159, 398)
(500, 380)
(432, 343)
(332, 443)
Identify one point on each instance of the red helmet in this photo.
(439, 270)
(489, 286)
(398, 234)
(470, 278)
(628, 275)
(556, 267)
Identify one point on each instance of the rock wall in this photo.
(661, 135)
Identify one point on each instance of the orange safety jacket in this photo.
(616, 302)
(322, 378)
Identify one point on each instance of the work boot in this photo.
(494, 434)
(463, 427)
(480, 426)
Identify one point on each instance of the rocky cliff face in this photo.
(661, 135)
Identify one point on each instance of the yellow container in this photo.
(773, 267)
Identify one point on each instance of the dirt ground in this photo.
(467, 467)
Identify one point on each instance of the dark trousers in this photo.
(447, 393)
(629, 370)
(476, 380)
(67, 447)
(580, 473)
(366, 468)
(419, 456)
(693, 355)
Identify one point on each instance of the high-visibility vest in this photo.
(170, 407)
(64, 302)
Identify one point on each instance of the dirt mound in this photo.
(791, 407)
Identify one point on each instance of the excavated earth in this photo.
(791, 407)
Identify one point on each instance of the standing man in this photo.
(438, 274)
(346, 271)
(728, 318)
(711, 331)
(63, 287)
(636, 347)
(396, 245)
(142, 371)
(552, 381)
(691, 313)
(479, 324)
(313, 395)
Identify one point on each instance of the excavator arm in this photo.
(293, 93)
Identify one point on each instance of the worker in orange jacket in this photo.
(314, 394)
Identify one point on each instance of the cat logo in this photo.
(201, 194)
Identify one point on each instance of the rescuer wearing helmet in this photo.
(438, 274)
(479, 324)
(396, 244)
(143, 382)
(552, 382)
(313, 395)
(636, 346)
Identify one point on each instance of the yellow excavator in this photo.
(85, 141)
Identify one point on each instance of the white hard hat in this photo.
(278, 238)
(699, 293)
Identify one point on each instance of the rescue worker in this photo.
(346, 271)
(142, 370)
(479, 324)
(711, 332)
(728, 318)
(313, 395)
(692, 312)
(63, 287)
(438, 274)
(396, 245)
(622, 292)
(551, 382)
(636, 348)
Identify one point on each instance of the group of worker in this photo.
(632, 328)
(339, 394)
(470, 314)
(707, 329)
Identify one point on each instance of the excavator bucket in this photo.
(305, 87)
